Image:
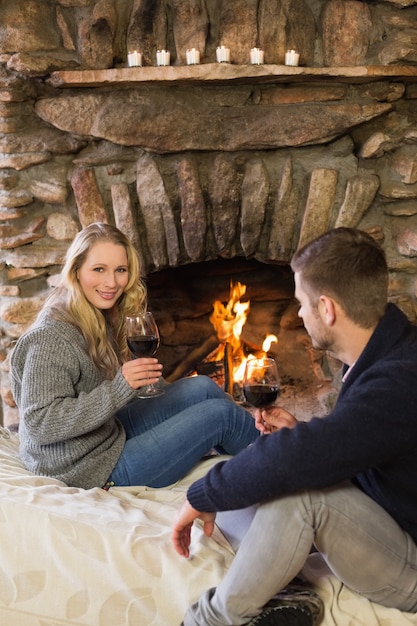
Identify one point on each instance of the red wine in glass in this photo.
(261, 382)
(142, 337)
(145, 345)
(260, 396)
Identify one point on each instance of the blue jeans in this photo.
(166, 436)
(363, 546)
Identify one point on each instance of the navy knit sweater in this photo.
(370, 437)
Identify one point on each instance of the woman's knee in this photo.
(206, 386)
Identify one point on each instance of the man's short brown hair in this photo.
(349, 266)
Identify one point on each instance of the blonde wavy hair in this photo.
(103, 331)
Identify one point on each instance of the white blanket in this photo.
(95, 558)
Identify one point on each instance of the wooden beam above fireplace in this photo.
(225, 73)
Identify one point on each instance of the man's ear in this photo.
(327, 310)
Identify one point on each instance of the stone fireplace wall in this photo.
(202, 162)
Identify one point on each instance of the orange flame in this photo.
(228, 321)
(239, 370)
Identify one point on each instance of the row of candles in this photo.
(163, 57)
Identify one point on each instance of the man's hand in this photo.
(273, 418)
(183, 522)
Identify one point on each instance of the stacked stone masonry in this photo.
(195, 164)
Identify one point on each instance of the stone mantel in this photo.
(220, 73)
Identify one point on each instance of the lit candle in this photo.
(134, 59)
(291, 57)
(223, 54)
(256, 56)
(193, 56)
(163, 57)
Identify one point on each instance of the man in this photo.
(345, 483)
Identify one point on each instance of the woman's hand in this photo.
(273, 418)
(183, 522)
(140, 372)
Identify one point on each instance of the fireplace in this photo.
(222, 169)
(182, 301)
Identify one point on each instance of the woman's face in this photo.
(104, 274)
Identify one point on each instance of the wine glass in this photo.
(260, 382)
(142, 337)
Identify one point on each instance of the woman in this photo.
(76, 384)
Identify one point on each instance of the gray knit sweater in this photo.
(68, 428)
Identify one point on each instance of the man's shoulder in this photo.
(396, 332)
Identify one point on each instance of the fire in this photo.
(228, 320)
(239, 371)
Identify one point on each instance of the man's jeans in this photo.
(361, 543)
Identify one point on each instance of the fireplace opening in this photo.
(182, 300)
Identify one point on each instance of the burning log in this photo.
(191, 361)
(228, 369)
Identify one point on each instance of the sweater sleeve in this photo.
(59, 392)
(372, 428)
